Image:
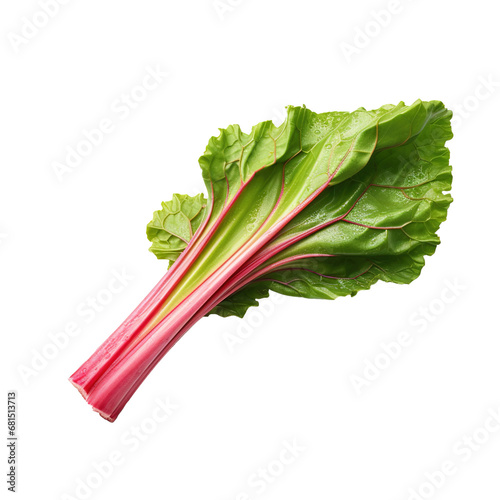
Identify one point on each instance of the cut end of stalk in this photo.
(109, 418)
(81, 390)
(84, 394)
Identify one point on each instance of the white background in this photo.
(291, 379)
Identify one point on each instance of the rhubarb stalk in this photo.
(276, 219)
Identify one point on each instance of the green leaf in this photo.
(387, 169)
(174, 225)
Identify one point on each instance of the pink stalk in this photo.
(109, 378)
(113, 373)
(110, 394)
